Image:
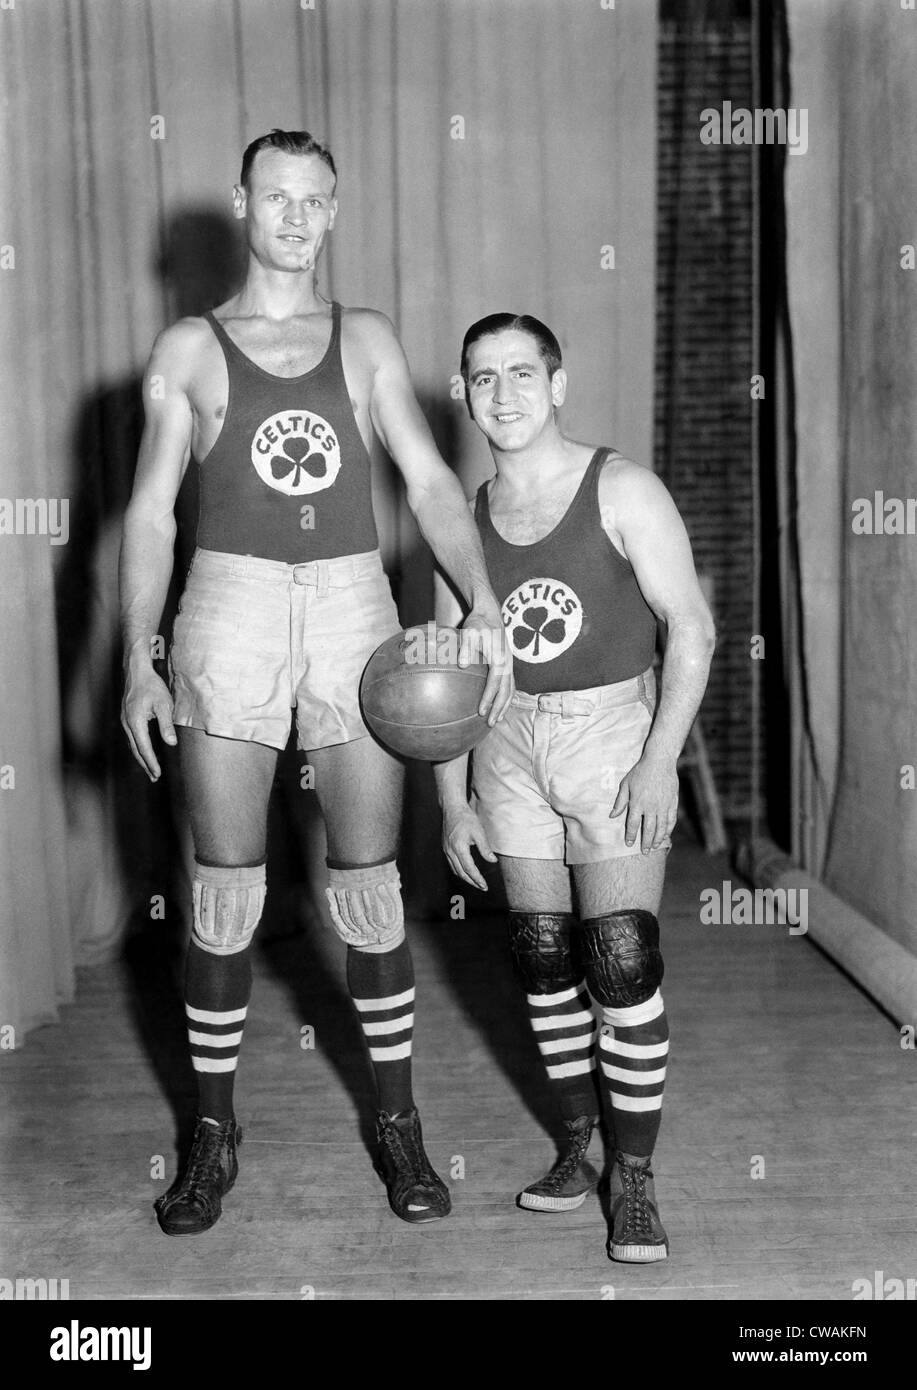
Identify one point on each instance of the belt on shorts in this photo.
(317, 574)
(572, 703)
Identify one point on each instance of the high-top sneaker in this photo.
(415, 1191)
(568, 1184)
(193, 1205)
(637, 1234)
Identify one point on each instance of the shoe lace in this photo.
(567, 1165)
(638, 1221)
(205, 1165)
(409, 1158)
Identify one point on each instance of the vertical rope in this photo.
(239, 75)
(158, 179)
(405, 522)
(756, 251)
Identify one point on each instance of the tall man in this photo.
(276, 394)
(576, 791)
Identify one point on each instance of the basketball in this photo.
(417, 699)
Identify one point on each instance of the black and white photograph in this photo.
(458, 677)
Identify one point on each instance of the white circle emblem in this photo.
(542, 618)
(296, 452)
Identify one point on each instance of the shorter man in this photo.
(576, 792)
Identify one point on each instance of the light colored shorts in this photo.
(546, 777)
(255, 639)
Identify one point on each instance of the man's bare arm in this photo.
(149, 537)
(437, 501)
(462, 829)
(637, 509)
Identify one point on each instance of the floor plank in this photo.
(776, 1056)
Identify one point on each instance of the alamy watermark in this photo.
(440, 646)
(36, 516)
(884, 1290)
(884, 516)
(728, 906)
(41, 1290)
(76, 1343)
(762, 126)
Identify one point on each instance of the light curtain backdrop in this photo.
(853, 315)
(115, 233)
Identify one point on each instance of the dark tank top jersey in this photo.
(572, 608)
(289, 476)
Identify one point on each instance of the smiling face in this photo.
(511, 397)
(289, 208)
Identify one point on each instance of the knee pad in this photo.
(228, 903)
(621, 956)
(366, 906)
(540, 946)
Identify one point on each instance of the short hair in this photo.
(290, 142)
(548, 346)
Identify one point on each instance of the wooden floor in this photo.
(776, 1056)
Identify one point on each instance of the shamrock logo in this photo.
(536, 626)
(295, 452)
(542, 618)
(298, 457)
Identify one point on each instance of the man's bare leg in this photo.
(360, 790)
(227, 788)
(227, 785)
(634, 880)
(619, 902)
(536, 885)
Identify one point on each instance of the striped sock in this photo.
(382, 988)
(217, 991)
(565, 1027)
(634, 1045)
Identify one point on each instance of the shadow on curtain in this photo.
(489, 155)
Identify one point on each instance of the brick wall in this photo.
(703, 424)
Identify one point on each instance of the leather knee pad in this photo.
(621, 956)
(228, 903)
(366, 906)
(540, 946)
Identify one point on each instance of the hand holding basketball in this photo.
(483, 638)
(420, 699)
